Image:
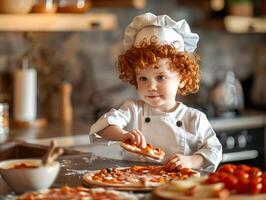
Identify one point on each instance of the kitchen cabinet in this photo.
(57, 22)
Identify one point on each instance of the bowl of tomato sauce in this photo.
(24, 175)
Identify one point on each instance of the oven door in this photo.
(245, 146)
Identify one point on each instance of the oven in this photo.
(243, 141)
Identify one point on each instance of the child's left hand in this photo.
(178, 161)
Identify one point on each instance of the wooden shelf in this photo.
(57, 22)
(239, 24)
(138, 4)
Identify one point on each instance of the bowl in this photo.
(15, 6)
(24, 175)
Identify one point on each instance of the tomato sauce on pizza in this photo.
(136, 176)
(149, 151)
(79, 193)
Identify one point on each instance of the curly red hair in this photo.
(187, 65)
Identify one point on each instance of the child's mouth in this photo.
(154, 96)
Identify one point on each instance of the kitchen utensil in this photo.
(25, 93)
(52, 153)
(227, 97)
(73, 6)
(15, 6)
(44, 6)
(28, 178)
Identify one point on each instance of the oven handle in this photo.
(241, 155)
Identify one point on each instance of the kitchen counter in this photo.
(78, 131)
(73, 167)
(249, 119)
(76, 135)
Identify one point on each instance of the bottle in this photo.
(66, 111)
(4, 118)
(25, 93)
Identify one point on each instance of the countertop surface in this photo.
(73, 167)
(76, 134)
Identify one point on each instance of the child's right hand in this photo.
(135, 136)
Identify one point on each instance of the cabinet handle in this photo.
(242, 155)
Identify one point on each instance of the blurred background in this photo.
(58, 71)
(232, 49)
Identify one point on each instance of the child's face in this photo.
(158, 86)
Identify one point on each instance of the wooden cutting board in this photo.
(167, 195)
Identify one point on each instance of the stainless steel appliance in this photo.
(243, 140)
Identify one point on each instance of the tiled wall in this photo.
(87, 61)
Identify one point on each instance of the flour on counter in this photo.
(72, 172)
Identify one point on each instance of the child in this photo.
(159, 61)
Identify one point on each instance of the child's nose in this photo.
(152, 85)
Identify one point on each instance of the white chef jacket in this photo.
(185, 131)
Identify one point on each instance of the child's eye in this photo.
(142, 78)
(161, 78)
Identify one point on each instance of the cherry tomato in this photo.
(241, 174)
(254, 187)
(254, 172)
(263, 189)
(212, 180)
(244, 168)
(263, 182)
(256, 179)
(242, 186)
(228, 168)
(230, 182)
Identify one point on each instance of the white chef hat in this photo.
(166, 30)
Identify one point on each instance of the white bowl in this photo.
(29, 179)
(15, 6)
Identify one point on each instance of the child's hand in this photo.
(136, 137)
(178, 161)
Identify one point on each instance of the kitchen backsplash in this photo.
(87, 60)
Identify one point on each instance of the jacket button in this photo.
(179, 123)
(147, 119)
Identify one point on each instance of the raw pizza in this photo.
(135, 177)
(148, 151)
(231, 182)
(78, 193)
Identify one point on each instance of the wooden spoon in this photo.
(52, 153)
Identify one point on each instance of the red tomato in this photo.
(230, 182)
(263, 189)
(228, 168)
(256, 179)
(242, 186)
(264, 175)
(254, 187)
(212, 180)
(244, 168)
(254, 172)
(241, 174)
(263, 181)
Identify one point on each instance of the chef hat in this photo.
(166, 30)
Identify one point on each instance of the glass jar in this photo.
(73, 6)
(4, 118)
(44, 6)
